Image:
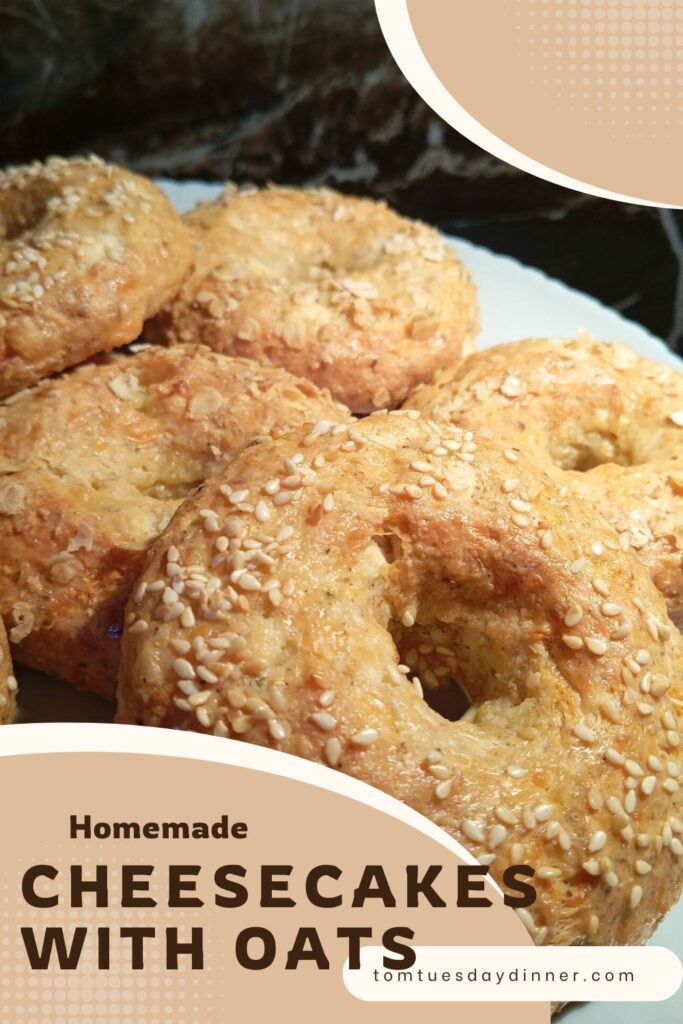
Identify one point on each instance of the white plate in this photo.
(517, 302)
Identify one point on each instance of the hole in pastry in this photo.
(449, 700)
(597, 448)
(390, 546)
(440, 688)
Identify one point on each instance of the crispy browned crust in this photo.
(337, 289)
(88, 252)
(600, 419)
(93, 464)
(8, 682)
(397, 539)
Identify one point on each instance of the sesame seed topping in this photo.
(473, 831)
(442, 789)
(333, 749)
(365, 738)
(597, 841)
(573, 616)
(595, 645)
(543, 811)
(324, 720)
(635, 896)
(497, 835)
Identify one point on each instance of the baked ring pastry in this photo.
(335, 288)
(88, 251)
(8, 682)
(94, 463)
(351, 545)
(605, 422)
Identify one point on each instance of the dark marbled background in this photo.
(306, 92)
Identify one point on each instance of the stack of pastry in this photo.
(295, 507)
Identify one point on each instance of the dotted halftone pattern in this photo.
(87, 995)
(615, 64)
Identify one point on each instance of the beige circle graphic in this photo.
(587, 93)
(289, 823)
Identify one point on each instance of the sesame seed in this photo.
(187, 687)
(247, 582)
(236, 498)
(648, 785)
(595, 798)
(576, 567)
(670, 785)
(517, 773)
(497, 835)
(282, 497)
(547, 872)
(547, 539)
(597, 841)
(610, 709)
(365, 738)
(584, 733)
(573, 642)
(592, 867)
(633, 768)
(183, 668)
(543, 811)
(276, 729)
(622, 631)
(506, 815)
(261, 511)
(528, 819)
(635, 896)
(611, 879)
(473, 831)
(672, 738)
(439, 771)
(630, 801)
(610, 609)
(595, 645)
(332, 750)
(205, 674)
(573, 616)
(324, 720)
(442, 789)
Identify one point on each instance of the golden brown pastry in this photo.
(93, 464)
(337, 289)
(8, 682)
(313, 563)
(88, 251)
(604, 422)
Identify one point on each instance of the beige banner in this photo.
(286, 823)
(589, 88)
